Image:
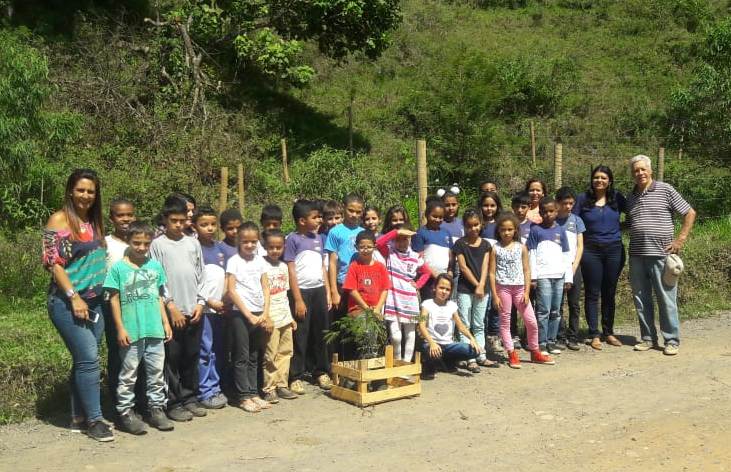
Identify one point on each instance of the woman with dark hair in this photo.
(603, 259)
(74, 253)
(536, 189)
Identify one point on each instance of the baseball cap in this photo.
(673, 268)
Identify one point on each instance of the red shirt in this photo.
(369, 280)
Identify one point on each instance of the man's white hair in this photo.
(640, 158)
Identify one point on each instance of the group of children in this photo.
(247, 315)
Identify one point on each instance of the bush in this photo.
(22, 275)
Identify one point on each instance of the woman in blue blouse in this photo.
(600, 207)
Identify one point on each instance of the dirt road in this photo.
(609, 410)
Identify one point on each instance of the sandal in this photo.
(613, 341)
(488, 363)
(596, 343)
(263, 404)
(249, 405)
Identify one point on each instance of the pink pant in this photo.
(510, 295)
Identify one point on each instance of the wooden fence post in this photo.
(223, 195)
(421, 175)
(661, 164)
(285, 165)
(557, 165)
(533, 143)
(240, 177)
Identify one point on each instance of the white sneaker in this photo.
(671, 349)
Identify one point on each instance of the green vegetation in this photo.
(158, 96)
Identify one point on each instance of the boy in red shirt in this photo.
(367, 280)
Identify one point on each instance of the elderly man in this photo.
(650, 210)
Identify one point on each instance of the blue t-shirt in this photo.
(341, 240)
(548, 251)
(602, 223)
(525, 230)
(436, 246)
(214, 254)
(488, 232)
(228, 251)
(455, 228)
(574, 226)
(305, 250)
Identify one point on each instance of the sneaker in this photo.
(271, 397)
(159, 421)
(516, 343)
(573, 346)
(196, 409)
(130, 423)
(473, 367)
(297, 387)
(538, 357)
(553, 349)
(324, 382)
(495, 345)
(428, 376)
(514, 360)
(285, 393)
(671, 349)
(215, 402)
(644, 345)
(561, 344)
(100, 431)
(178, 413)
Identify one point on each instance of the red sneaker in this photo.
(514, 360)
(537, 357)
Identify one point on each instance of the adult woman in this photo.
(603, 257)
(536, 189)
(74, 252)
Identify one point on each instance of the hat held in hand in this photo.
(673, 268)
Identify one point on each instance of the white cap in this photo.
(673, 268)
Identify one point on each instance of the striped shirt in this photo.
(650, 215)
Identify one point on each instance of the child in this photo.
(488, 186)
(452, 224)
(309, 297)
(182, 260)
(279, 347)
(490, 207)
(472, 298)
(121, 214)
(340, 245)
(551, 272)
(247, 286)
(520, 205)
(230, 221)
(136, 283)
(510, 286)
(438, 319)
(371, 222)
(211, 357)
(332, 215)
(434, 244)
(271, 218)
(367, 281)
(190, 206)
(395, 215)
(402, 302)
(574, 227)
(536, 189)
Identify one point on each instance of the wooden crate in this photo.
(380, 368)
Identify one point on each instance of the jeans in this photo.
(246, 343)
(152, 353)
(645, 275)
(181, 365)
(571, 331)
(310, 349)
(82, 339)
(451, 354)
(211, 355)
(472, 312)
(601, 266)
(511, 298)
(549, 293)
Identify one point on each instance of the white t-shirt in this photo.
(278, 276)
(115, 250)
(248, 280)
(213, 285)
(440, 324)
